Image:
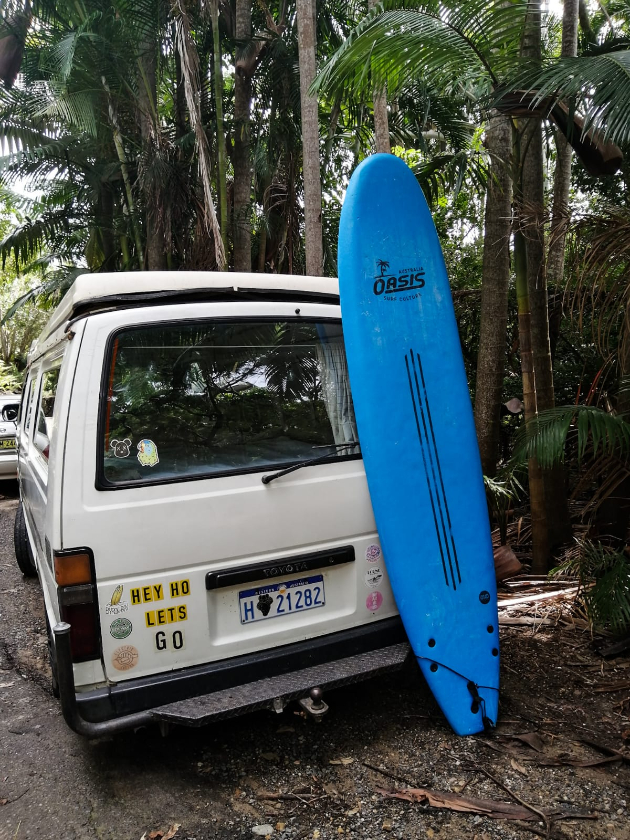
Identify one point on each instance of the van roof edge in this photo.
(92, 292)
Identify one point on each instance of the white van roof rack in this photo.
(93, 292)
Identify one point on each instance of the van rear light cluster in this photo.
(74, 574)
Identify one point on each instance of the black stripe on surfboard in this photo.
(437, 459)
(426, 471)
(432, 457)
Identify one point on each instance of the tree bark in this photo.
(533, 225)
(221, 151)
(241, 230)
(310, 140)
(494, 293)
(155, 251)
(381, 122)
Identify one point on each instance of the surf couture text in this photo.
(407, 280)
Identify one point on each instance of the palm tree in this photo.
(310, 139)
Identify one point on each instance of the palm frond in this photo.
(545, 437)
(599, 85)
(435, 41)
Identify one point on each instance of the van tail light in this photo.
(78, 605)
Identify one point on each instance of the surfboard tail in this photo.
(469, 707)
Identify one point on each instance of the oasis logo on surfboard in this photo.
(394, 286)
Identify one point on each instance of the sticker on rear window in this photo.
(147, 453)
(121, 448)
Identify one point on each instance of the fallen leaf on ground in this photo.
(3, 801)
(341, 761)
(162, 833)
(519, 767)
(532, 739)
(492, 808)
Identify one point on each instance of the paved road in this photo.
(54, 784)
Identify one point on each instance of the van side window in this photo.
(192, 400)
(28, 402)
(45, 409)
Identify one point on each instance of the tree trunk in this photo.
(540, 535)
(533, 225)
(221, 152)
(154, 252)
(494, 293)
(241, 230)
(381, 123)
(310, 140)
(562, 174)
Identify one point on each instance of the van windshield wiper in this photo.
(266, 479)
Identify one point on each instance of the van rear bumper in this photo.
(266, 679)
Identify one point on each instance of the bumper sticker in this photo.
(374, 601)
(120, 628)
(374, 577)
(125, 657)
(373, 553)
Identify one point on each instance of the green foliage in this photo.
(604, 576)
(593, 429)
(10, 379)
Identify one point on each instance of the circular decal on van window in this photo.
(125, 658)
(374, 601)
(374, 577)
(373, 553)
(120, 628)
(147, 453)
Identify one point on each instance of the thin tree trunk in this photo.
(154, 253)
(124, 170)
(540, 534)
(494, 293)
(533, 225)
(242, 141)
(310, 140)
(562, 174)
(381, 123)
(221, 152)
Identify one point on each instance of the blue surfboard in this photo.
(417, 437)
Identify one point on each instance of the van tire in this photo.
(23, 553)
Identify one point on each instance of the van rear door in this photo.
(204, 547)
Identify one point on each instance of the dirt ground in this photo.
(287, 777)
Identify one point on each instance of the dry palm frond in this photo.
(190, 72)
(600, 259)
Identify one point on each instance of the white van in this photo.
(194, 502)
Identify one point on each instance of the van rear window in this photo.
(203, 399)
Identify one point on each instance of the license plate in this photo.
(276, 599)
(9, 443)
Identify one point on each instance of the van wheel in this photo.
(53, 661)
(23, 553)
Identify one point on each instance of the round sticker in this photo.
(484, 597)
(120, 628)
(373, 553)
(374, 577)
(373, 601)
(125, 658)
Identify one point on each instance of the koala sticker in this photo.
(147, 453)
(121, 448)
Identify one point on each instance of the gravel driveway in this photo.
(285, 776)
